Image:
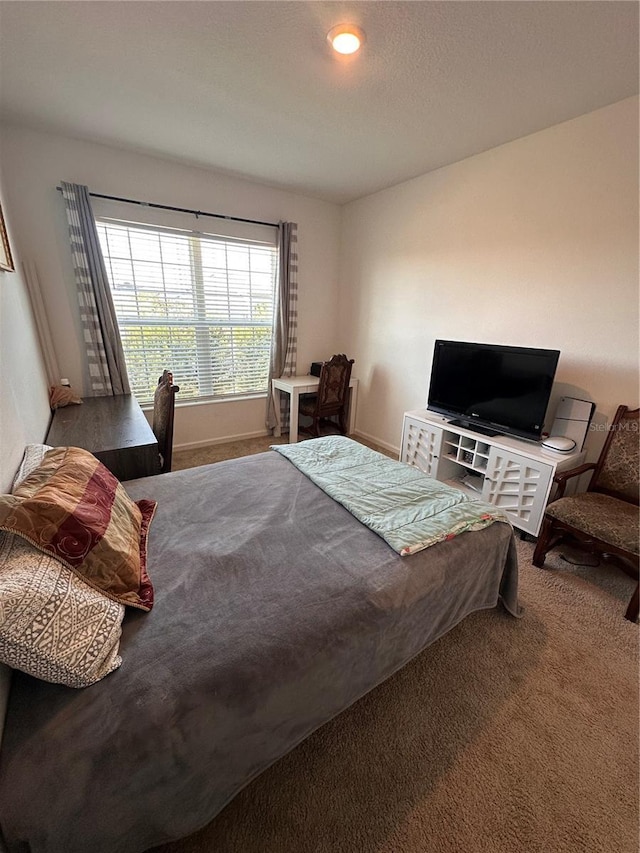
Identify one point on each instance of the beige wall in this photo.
(534, 243)
(24, 401)
(34, 163)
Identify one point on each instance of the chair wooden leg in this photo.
(550, 536)
(543, 544)
(634, 605)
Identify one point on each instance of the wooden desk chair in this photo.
(604, 519)
(163, 409)
(332, 396)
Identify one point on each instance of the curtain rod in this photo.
(195, 213)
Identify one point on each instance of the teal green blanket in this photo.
(409, 510)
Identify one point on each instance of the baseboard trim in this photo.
(208, 442)
(375, 440)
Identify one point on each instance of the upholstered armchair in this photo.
(604, 520)
(163, 411)
(332, 396)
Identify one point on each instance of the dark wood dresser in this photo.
(114, 429)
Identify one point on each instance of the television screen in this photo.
(491, 388)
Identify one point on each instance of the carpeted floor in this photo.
(506, 735)
(233, 449)
(218, 452)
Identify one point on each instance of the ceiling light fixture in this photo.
(345, 38)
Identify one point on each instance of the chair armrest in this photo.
(562, 478)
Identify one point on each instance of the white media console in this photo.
(510, 473)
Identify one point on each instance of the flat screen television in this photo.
(492, 389)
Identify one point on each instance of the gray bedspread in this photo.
(275, 610)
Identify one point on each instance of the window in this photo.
(199, 305)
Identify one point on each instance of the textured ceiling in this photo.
(252, 89)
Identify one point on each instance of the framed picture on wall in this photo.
(6, 261)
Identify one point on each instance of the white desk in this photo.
(296, 385)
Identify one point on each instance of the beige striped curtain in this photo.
(284, 344)
(106, 371)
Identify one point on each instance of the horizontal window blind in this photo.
(198, 305)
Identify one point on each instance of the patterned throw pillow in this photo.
(52, 624)
(74, 509)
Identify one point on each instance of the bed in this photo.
(275, 609)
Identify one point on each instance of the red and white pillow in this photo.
(72, 555)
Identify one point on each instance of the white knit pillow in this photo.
(33, 456)
(53, 625)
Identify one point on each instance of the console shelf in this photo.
(510, 473)
(470, 452)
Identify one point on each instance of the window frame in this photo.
(203, 326)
